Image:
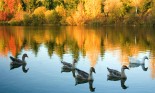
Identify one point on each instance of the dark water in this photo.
(98, 47)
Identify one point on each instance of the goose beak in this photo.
(127, 68)
(94, 70)
(26, 56)
(75, 61)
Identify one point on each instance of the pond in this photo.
(97, 47)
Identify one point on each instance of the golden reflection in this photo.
(90, 42)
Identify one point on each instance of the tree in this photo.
(114, 9)
(136, 4)
(93, 7)
(48, 4)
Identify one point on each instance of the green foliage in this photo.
(27, 19)
(16, 23)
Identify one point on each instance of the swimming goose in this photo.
(19, 61)
(135, 60)
(68, 66)
(136, 63)
(116, 74)
(84, 75)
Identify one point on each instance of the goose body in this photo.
(19, 61)
(137, 61)
(116, 74)
(134, 62)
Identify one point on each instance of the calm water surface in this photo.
(100, 48)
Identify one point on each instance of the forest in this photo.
(77, 12)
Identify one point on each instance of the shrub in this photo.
(16, 22)
(48, 15)
(27, 19)
(36, 20)
(55, 18)
(70, 20)
(39, 11)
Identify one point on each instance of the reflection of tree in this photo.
(35, 47)
(74, 49)
(59, 49)
(102, 50)
(50, 46)
(90, 42)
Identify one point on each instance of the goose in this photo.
(82, 75)
(19, 61)
(136, 63)
(68, 66)
(135, 60)
(116, 74)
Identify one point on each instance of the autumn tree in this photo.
(93, 7)
(136, 4)
(114, 9)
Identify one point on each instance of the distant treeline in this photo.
(77, 12)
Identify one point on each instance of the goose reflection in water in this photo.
(68, 67)
(134, 62)
(115, 75)
(83, 77)
(122, 80)
(13, 66)
(16, 63)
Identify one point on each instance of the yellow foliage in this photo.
(40, 10)
(136, 2)
(48, 14)
(93, 7)
(61, 11)
(79, 16)
(112, 5)
(70, 20)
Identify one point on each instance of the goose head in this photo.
(124, 67)
(24, 56)
(74, 61)
(92, 70)
(143, 61)
(145, 57)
